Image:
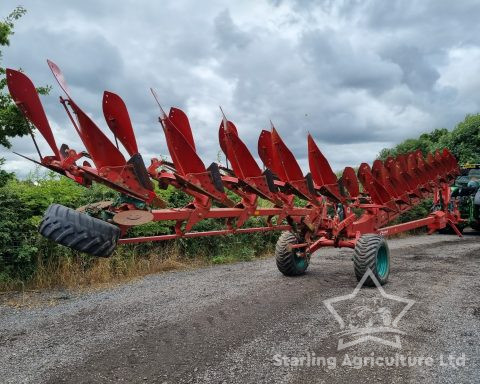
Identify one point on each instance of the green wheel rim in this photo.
(382, 262)
(300, 262)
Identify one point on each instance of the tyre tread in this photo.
(285, 258)
(79, 231)
(365, 256)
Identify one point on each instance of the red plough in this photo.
(351, 211)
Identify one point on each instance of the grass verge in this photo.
(78, 272)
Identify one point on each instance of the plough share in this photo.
(349, 211)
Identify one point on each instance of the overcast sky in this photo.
(358, 75)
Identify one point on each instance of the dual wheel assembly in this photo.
(371, 252)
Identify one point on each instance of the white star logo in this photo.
(359, 334)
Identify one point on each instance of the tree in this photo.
(464, 140)
(4, 175)
(12, 123)
(427, 142)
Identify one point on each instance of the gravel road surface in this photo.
(246, 323)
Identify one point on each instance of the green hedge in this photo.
(23, 202)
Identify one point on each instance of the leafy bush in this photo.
(18, 240)
(23, 251)
(463, 141)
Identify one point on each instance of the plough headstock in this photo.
(389, 187)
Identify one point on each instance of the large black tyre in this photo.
(371, 251)
(79, 231)
(289, 262)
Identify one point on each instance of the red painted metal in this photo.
(112, 169)
(374, 187)
(180, 120)
(265, 151)
(183, 155)
(99, 147)
(451, 161)
(350, 182)
(183, 214)
(283, 159)
(396, 180)
(118, 120)
(251, 180)
(430, 160)
(407, 178)
(380, 173)
(440, 163)
(242, 161)
(187, 235)
(413, 170)
(289, 171)
(222, 132)
(190, 172)
(337, 212)
(24, 94)
(321, 171)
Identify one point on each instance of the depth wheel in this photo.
(290, 261)
(79, 231)
(371, 251)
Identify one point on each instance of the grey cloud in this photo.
(338, 62)
(228, 34)
(418, 73)
(357, 75)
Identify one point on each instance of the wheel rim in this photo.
(300, 262)
(382, 262)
